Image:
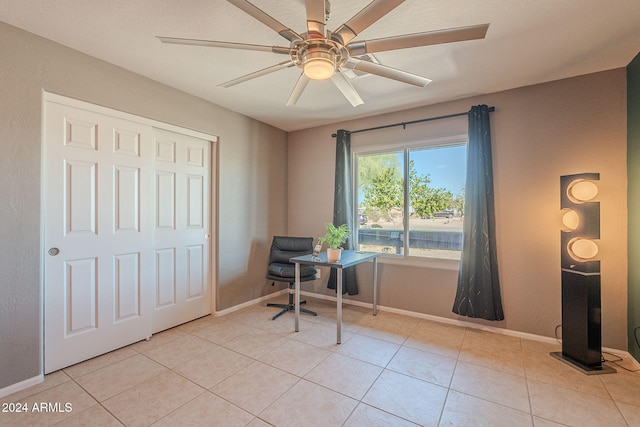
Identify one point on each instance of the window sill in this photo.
(423, 262)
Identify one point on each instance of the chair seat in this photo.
(288, 271)
(284, 248)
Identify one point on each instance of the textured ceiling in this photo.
(528, 42)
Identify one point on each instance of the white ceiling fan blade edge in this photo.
(225, 45)
(316, 19)
(428, 38)
(258, 73)
(365, 18)
(300, 86)
(344, 85)
(388, 72)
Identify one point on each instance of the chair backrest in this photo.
(284, 247)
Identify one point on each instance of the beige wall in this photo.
(539, 133)
(252, 179)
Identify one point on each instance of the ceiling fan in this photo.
(323, 54)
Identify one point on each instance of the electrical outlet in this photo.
(319, 275)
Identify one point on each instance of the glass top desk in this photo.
(349, 258)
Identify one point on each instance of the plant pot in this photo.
(333, 255)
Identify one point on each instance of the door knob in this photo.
(54, 251)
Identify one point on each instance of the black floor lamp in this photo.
(581, 308)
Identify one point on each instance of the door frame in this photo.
(49, 97)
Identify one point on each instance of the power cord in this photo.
(615, 361)
(555, 332)
(602, 358)
(635, 336)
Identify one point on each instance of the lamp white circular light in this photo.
(582, 249)
(582, 190)
(570, 219)
(318, 69)
(318, 63)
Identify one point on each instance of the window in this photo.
(410, 198)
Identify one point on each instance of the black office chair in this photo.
(281, 270)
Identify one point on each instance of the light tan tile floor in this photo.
(244, 369)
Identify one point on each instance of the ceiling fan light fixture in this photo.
(323, 54)
(318, 64)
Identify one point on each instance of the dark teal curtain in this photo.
(478, 293)
(343, 208)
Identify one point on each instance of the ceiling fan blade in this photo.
(300, 86)
(316, 19)
(450, 35)
(347, 89)
(363, 19)
(266, 19)
(388, 72)
(265, 71)
(229, 45)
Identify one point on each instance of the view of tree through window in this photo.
(410, 201)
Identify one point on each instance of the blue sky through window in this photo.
(446, 166)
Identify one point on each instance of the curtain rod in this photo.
(404, 124)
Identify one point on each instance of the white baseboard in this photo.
(249, 303)
(14, 388)
(625, 355)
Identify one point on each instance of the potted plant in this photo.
(335, 238)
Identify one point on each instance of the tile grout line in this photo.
(247, 322)
(453, 373)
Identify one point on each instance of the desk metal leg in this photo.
(339, 309)
(375, 286)
(297, 297)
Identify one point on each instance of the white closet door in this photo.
(99, 263)
(126, 231)
(181, 228)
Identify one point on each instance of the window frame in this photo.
(404, 147)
